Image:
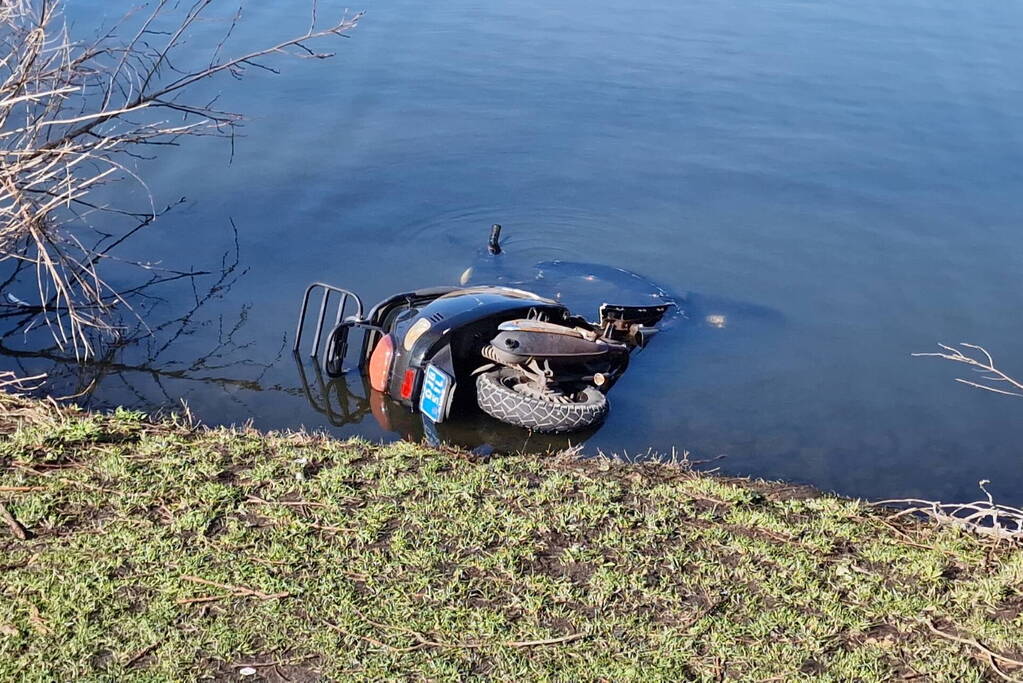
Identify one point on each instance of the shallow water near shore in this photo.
(841, 182)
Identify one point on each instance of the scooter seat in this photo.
(520, 339)
(546, 328)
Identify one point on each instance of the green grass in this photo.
(357, 561)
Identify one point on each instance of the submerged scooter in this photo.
(522, 358)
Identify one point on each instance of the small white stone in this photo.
(246, 671)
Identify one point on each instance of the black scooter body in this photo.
(458, 324)
(525, 359)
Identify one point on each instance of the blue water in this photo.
(843, 181)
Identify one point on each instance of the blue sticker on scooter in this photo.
(434, 397)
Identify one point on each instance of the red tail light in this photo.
(380, 363)
(408, 383)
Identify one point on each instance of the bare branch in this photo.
(982, 517)
(10, 382)
(981, 361)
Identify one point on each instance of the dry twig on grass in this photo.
(76, 116)
(233, 591)
(991, 656)
(13, 524)
(982, 517)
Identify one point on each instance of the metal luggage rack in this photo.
(337, 340)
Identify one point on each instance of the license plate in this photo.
(436, 391)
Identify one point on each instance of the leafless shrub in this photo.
(75, 116)
(978, 358)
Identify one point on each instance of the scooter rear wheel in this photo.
(499, 400)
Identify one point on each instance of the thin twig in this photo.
(982, 362)
(142, 653)
(371, 640)
(204, 598)
(546, 641)
(972, 642)
(291, 503)
(236, 590)
(16, 527)
(280, 662)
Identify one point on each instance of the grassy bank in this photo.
(160, 551)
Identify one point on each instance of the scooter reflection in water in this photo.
(349, 400)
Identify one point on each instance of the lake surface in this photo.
(842, 180)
